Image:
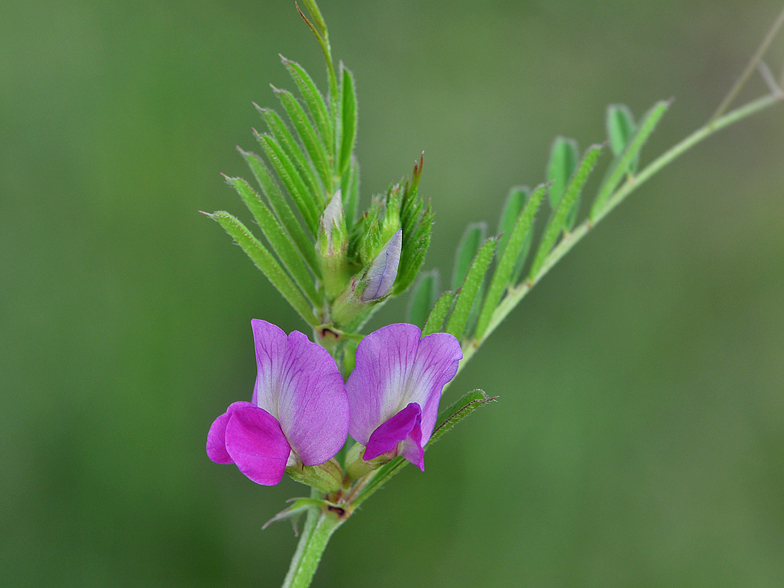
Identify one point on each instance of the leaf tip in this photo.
(418, 165)
(210, 215)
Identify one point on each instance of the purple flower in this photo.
(298, 413)
(395, 388)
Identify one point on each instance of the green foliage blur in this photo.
(639, 436)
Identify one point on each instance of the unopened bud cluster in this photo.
(361, 265)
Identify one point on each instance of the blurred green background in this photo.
(639, 439)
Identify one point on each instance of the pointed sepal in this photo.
(357, 467)
(416, 219)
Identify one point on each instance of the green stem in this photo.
(517, 293)
(322, 35)
(697, 136)
(319, 527)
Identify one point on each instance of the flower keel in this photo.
(400, 435)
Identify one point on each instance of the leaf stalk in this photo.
(517, 293)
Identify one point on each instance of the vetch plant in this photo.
(345, 412)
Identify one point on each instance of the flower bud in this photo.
(382, 272)
(369, 287)
(331, 248)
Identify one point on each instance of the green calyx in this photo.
(326, 477)
(357, 467)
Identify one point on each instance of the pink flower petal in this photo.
(437, 359)
(256, 443)
(394, 368)
(216, 438)
(299, 384)
(380, 377)
(271, 345)
(299, 403)
(312, 403)
(411, 448)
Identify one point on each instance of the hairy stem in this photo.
(319, 527)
